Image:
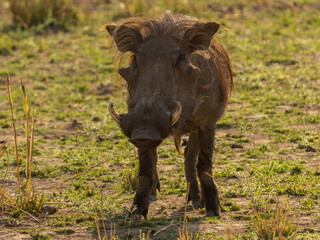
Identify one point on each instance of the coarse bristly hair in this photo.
(167, 25)
(174, 26)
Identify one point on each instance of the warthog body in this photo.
(178, 83)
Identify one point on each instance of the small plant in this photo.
(130, 181)
(292, 189)
(272, 224)
(130, 178)
(231, 205)
(234, 207)
(296, 169)
(112, 235)
(184, 234)
(39, 236)
(3, 148)
(309, 204)
(7, 45)
(26, 201)
(228, 172)
(53, 13)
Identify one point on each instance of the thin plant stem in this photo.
(96, 220)
(3, 188)
(31, 149)
(104, 227)
(26, 109)
(14, 132)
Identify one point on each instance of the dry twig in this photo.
(166, 227)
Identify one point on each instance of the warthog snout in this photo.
(143, 140)
(146, 130)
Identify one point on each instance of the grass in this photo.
(29, 13)
(150, 7)
(267, 143)
(273, 224)
(26, 201)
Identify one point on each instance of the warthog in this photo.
(178, 82)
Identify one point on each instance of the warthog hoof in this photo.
(197, 205)
(215, 213)
(153, 197)
(136, 216)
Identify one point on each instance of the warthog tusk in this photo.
(113, 114)
(177, 114)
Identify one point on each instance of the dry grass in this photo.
(184, 234)
(26, 200)
(273, 224)
(112, 234)
(96, 221)
(3, 148)
(28, 13)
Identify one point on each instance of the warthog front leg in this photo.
(153, 194)
(209, 191)
(148, 181)
(191, 155)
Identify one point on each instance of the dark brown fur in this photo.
(175, 60)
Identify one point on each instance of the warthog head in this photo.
(160, 78)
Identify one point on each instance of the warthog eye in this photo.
(180, 58)
(181, 62)
(133, 60)
(177, 56)
(135, 56)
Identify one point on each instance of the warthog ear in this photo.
(126, 38)
(199, 35)
(110, 28)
